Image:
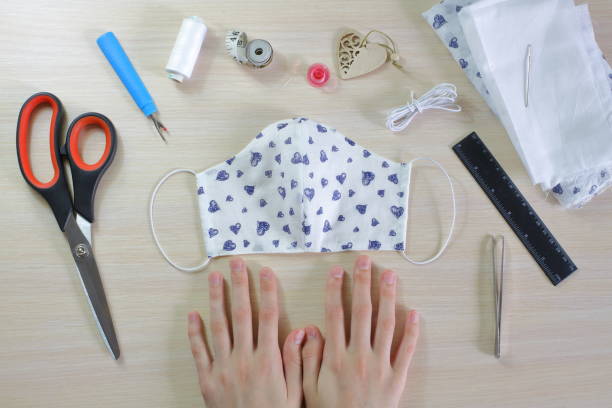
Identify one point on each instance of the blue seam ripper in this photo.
(116, 56)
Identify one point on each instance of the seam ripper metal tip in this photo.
(116, 56)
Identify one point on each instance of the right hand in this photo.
(358, 372)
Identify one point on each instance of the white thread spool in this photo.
(186, 49)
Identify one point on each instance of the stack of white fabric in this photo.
(564, 135)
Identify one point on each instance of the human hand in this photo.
(358, 372)
(241, 374)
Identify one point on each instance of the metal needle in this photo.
(527, 73)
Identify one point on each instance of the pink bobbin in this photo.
(318, 75)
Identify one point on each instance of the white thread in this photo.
(442, 97)
(151, 205)
(186, 49)
(452, 225)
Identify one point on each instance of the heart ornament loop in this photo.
(357, 56)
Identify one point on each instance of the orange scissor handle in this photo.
(85, 176)
(55, 191)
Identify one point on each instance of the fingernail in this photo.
(311, 331)
(236, 265)
(414, 316)
(299, 336)
(336, 272)
(364, 262)
(193, 317)
(389, 277)
(215, 279)
(265, 274)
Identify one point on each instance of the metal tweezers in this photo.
(498, 286)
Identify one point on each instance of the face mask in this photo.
(301, 186)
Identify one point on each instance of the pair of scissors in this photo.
(74, 217)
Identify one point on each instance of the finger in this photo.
(386, 316)
(195, 330)
(242, 319)
(268, 310)
(334, 312)
(292, 362)
(361, 315)
(312, 353)
(218, 318)
(407, 346)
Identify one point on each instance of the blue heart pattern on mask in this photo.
(229, 245)
(222, 175)
(438, 21)
(341, 178)
(255, 158)
(213, 206)
(397, 211)
(367, 177)
(297, 158)
(262, 227)
(235, 228)
(309, 193)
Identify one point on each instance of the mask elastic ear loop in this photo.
(452, 225)
(151, 205)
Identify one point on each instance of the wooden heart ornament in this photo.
(356, 57)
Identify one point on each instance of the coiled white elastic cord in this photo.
(452, 224)
(151, 206)
(442, 96)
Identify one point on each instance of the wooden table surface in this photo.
(557, 341)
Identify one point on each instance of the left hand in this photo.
(241, 373)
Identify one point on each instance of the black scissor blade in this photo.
(92, 284)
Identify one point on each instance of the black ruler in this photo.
(515, 209)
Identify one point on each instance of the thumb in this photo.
(292, 362)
